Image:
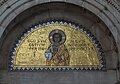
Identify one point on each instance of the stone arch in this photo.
(16, 8)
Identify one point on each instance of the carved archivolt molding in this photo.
(2, 2)
(114, 3)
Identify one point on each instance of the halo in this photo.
(57, 31)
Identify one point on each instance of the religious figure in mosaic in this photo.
(57, 53)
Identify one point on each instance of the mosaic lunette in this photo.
(81, 51)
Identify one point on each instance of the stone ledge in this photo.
(76, 77)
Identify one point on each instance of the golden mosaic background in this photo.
(31, 51)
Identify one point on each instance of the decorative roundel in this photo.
(78, 49)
